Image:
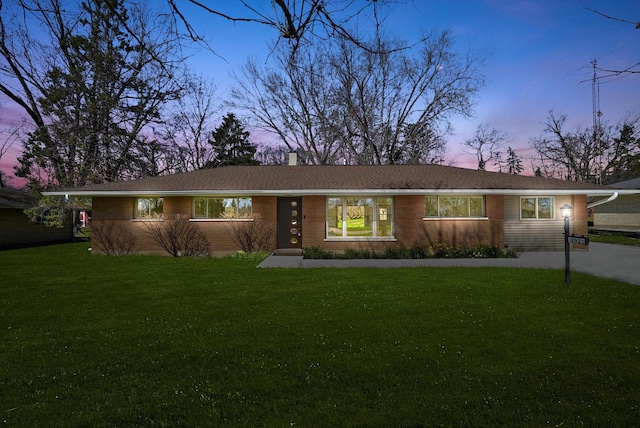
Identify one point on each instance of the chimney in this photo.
(293, 159)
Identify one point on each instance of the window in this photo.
(149, 208)
(536, 207)
(222, 208)
(453, 206)
(359, 217)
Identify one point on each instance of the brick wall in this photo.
(410, 228)
(218, 233)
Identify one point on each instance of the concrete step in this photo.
(288, 252)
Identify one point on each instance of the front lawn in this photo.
(613, 238)
(141, 340)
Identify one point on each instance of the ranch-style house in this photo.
(359, 207)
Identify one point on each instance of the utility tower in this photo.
(595, 99)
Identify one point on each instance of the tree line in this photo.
(105, 87)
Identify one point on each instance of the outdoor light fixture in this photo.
(566, 211)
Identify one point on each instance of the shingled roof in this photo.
(306, 180)
(16, 199)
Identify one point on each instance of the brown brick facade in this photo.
(411, 228)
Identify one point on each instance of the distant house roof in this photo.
(16, 199)
(634, 183)
(336, 180)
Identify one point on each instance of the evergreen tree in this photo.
(514, 163)
(230, 142)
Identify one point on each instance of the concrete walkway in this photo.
(605, 260)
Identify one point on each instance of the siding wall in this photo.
(542, 235)
(622, 212)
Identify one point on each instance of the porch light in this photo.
(566, 211)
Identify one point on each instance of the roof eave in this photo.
(338, 192)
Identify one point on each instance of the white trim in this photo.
(341, 192)
(356, 239)
(219, 220)
(612, 198)
(453, 218)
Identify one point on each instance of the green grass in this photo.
(615, 239)
(140, 341)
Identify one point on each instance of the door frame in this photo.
(285, 235)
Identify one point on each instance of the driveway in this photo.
(618, 262)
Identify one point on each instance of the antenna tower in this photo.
(595, 99)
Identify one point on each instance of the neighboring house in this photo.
(16, 230)
(622, 212)
(360, 207)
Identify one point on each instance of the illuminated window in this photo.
(453, 206)
(149, 208)
(359, 217)
(536, 207)
(222, 208)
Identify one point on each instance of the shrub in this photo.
(257, 256)
(254, 235)
(396, 253)
(112, 240)
(318, 253)
(178, 236)
(438, 251)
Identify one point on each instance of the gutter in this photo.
(337, 192)
(613, 197)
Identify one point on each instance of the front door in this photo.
(289, 222)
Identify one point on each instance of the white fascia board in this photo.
(342, 192)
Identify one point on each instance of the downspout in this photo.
(602, 202)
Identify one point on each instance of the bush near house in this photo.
(438, 251)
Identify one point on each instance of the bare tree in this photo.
(10, 136)
(91, 80)
(487, 145)
(299, 22)
(341, 104)
(585, 154)
(192, 124)
(273, 154)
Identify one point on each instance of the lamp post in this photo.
(566, 210)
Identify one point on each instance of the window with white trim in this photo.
(536, 207)
(222, 208)
(360, 217)
(149, 208)
(453, 206)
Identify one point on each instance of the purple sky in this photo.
(540, 51)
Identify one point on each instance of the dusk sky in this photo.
(540, 59)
